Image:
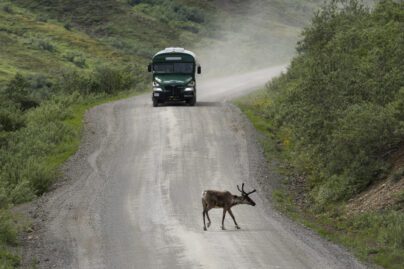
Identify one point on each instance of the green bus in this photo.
(173, 72)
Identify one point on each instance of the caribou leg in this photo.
(234, 219)
(224, 215)
(207, 215)
(204, 225)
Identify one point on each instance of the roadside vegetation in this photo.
(336, 121)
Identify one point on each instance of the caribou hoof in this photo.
(223, 228)
(204, 228)
(208, 224)
(238, 227)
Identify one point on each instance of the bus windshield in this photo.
(168, 68)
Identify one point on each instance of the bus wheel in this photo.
(192, 102)
(155, 102)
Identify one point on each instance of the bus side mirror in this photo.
(199, 69)
(149, 68)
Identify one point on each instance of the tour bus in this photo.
(173, 72)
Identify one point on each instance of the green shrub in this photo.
(399, 174)
(42, 18)
(73, 81)
(171, 11)
(40, 175)
(76, 58)
(8, 9)
(103, 79)
(111, 80)
(338, 111)
(4, 196)
(388, 227)
(8, 232)
(24, 171)
(18, 91)
(8, 235)
(40, 87)
(8, 260)
(26, 91)
(357, 144)
(42, 44)
(134, 2)
(11, 117)
(67, 26)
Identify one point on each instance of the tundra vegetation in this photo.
(60, 57)
(335, 119)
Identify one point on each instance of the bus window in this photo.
(167, 68)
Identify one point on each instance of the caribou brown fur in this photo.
(226, 200)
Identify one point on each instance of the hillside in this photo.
(335, 119)
(43, 36)
(59, 58)
(260, 33)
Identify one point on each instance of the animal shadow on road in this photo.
(232, 229)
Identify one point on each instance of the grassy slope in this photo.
(31, 45)
(316, 97)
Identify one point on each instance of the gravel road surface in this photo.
(133, 194)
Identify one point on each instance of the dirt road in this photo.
(133, 198)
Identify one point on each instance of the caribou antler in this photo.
(242, 188)
(251, 192)
(243, 192)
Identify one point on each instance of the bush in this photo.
(8, 232)
(27, 91)
(338, 111)
(103, 79)
(8, 235)
(67, 26)
(170, 11)
(111, 80)
(387, 226)
(18, 91)
(73, 81)
(40, 175)
(134, 2)
(76, 58)
(42, 18)
(24, 171)
(42, 44)
(11, 117)
(8, 260)
(357, 144)
(8, 9)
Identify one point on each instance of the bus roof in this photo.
(176, 50)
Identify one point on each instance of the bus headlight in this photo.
(191, 83)
(189, 89)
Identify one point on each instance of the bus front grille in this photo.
(174, 90)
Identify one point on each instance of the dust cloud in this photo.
(251, 35)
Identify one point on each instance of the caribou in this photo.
(226, 200)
